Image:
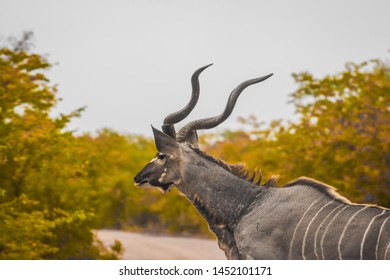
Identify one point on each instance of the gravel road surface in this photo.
(156, 247)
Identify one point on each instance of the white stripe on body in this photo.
(366, 232)
(345, 229)
(300, 221)
(327, 228)
(318, 229)
(387, 250)
(379, 236)
(308, 226)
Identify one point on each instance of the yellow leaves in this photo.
(40, 161)
(23, 230)
(61, 216)
(342, 136)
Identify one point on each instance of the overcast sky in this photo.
(130, 61)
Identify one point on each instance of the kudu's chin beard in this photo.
(162, 187)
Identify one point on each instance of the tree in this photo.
(44, 191)
(345, 118)
(342, 136)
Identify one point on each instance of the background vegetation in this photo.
(56, 187)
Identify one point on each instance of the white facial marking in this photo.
(154, 159)
(157, 160)
(162, 175)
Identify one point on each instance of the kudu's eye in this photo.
(161, 156)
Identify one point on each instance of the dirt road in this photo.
(154, 247)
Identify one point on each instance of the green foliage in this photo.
(45, 195)
(348, 126)
(55, 187)
(24, 230)
(342, 137)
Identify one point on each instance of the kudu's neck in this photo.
(220, 196)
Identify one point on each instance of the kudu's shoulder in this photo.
(329, 191)
(304, 183)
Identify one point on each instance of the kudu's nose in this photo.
(135, 178)
(138, 182)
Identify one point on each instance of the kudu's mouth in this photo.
(145, 184)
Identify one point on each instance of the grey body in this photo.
(292, 222)
(301, 222)
(305, 219)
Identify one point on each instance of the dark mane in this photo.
(321, 187)
(239, 170)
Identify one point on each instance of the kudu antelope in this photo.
(305, 219)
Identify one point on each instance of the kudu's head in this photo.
(176, 151)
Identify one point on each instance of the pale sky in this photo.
(130, 61)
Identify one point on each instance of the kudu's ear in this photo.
(164, 143)
(192, 139)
